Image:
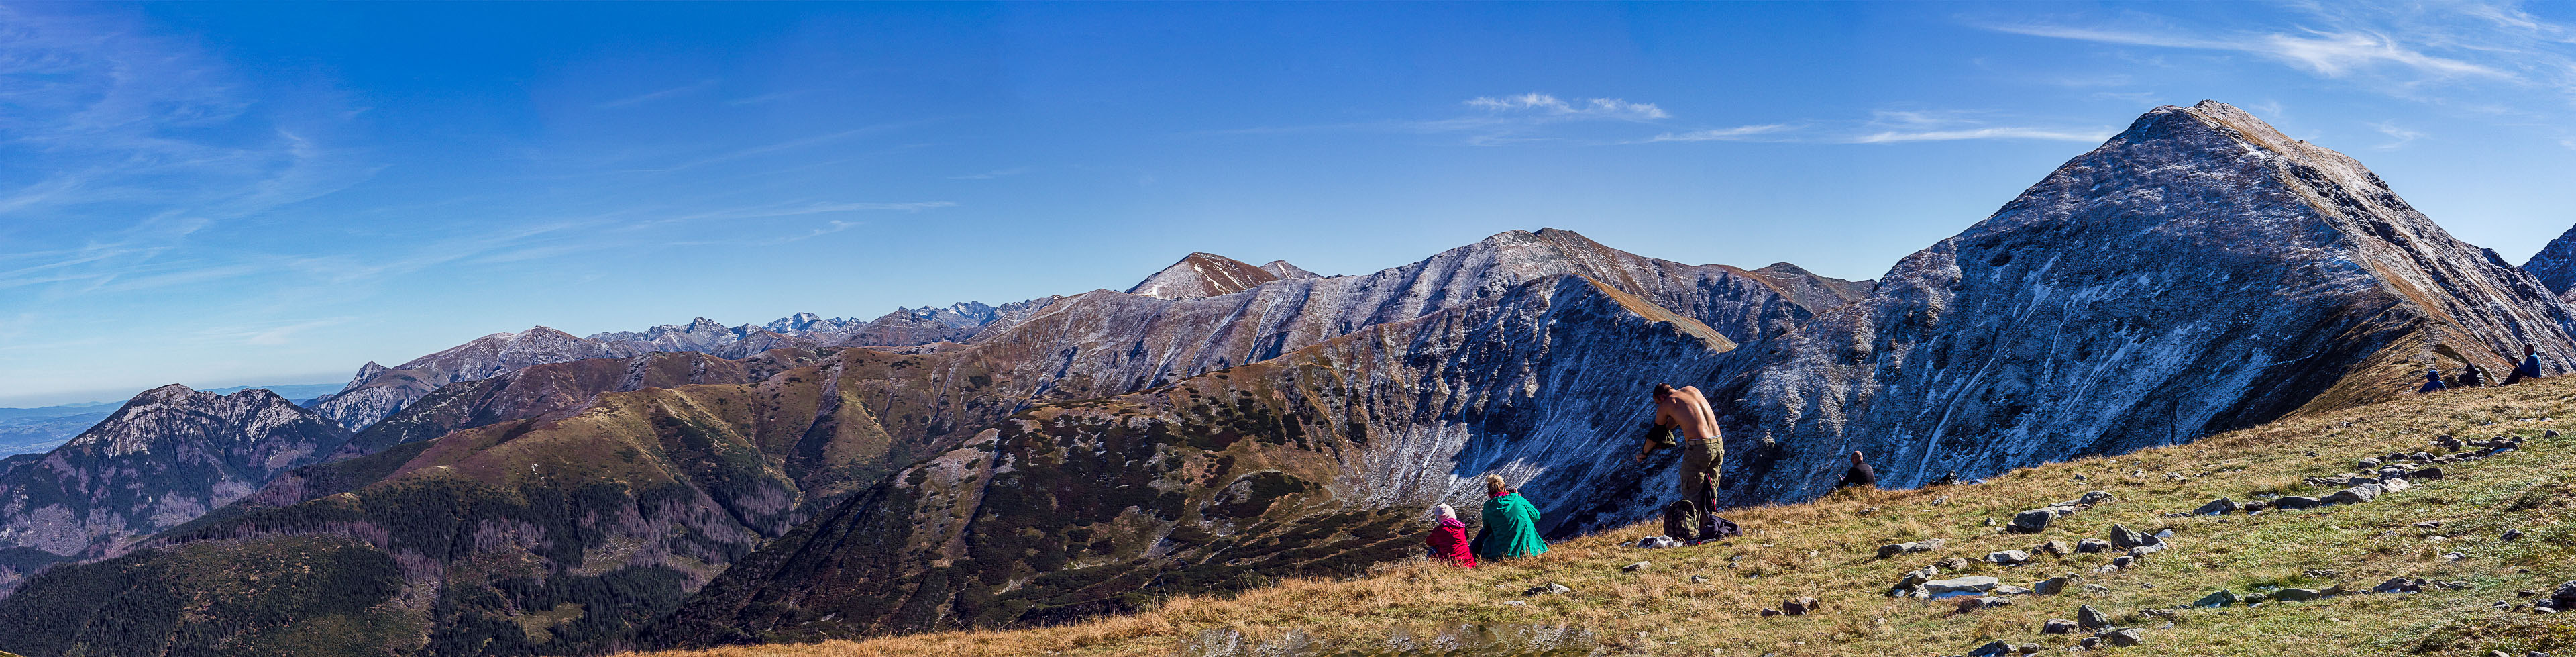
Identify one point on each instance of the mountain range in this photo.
(1221, 423)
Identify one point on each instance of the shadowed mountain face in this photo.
(167, 456)
(2198, 272)
(2555, 264)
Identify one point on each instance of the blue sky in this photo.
(220, 194)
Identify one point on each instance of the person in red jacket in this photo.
(1448, 541)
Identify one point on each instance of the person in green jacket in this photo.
(1511, 524)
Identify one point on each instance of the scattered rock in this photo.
(2126, 638)
(1634, 567)
(2296, 595)
(2297, 502)
(1893, 549)
(1658, 542)
(2034, 520)
(2008, 589)
(2050, 586)
(2096, 588)
(2091, 642)
(2218, 507)
(2368, 464)
(1767, 613)
(2320, 573)
(1952, 563)
(2429, 524)
(2144, 550)
(2123, 561)
(2355, 495)
(2124, 538)
(1968, 605)
(2057, 548)
(2399, 585)
(2092, 545)
(2251, 507)
(2511, 535)
(1972, 584)
(1695, 579)
(2252, 599)
(2094, 497)
(2057, 626)
(2008, 557)
(2088, 618)
(1549, 588)
(2219, 599)
(1515, 603)
(1996, 649)
(1798, 606)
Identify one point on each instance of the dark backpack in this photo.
(1677, 523)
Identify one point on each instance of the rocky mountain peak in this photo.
(1203, 275)
(2555, 264)
(1283, 270)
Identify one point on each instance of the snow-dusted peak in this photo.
(1203, 275)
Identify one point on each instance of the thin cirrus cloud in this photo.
(1992, 132)
(2327, 53)
(1549, 106)
(1766, 132)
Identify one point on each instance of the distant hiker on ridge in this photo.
(1859, 476)
(1511, 524)
(2432, 381)
(1448, 540)
(2529, 369)
(1686, 412)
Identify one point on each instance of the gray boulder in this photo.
(2296, 595)
(2126, 638)
(2355, 495)
(2057, 626)
(2092, 545)
(2089, 618)
(1971, 584)
(2219, 599)
(2008, 557)
(2219, 507)
(2297, 502)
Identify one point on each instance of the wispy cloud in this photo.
(1546, 105)
(650, 96)
(828, 228)
(2005, 132)
(2327, 53)
(2402, 135)
(1737, 133)
(764, 99)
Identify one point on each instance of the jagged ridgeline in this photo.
(1222, 423)
(2198, 272)
(557, 506)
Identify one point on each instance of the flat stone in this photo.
(1548, 589)
(2252, 599)
(2427, 473)
(2094, 497)
(2089, 643)
(2008, 557)
(1695, 579)
(1767, 613)
(2058, 548)
(2057, 626)
(2253, 506)
(2218, 507)
(1952, 563)
(2092, 545)
(2296, 595)
(2219, 599)
(1967, 605)
(2032, 521)
(1970, 584)
(1634, 567)
(2369, 464)
(1995, 649)
(2297, 502)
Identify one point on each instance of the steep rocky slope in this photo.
(545, 534)
(1308, 463)
(2555, 264)
(167, 456)
(2198, 272)
(378, 391)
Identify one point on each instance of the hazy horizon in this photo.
(242, 194)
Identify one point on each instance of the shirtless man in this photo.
(1703, 451)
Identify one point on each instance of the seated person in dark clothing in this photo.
(1859, 475)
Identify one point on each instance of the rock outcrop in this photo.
(1205, 275)
(2555, 264)
(2198, 272)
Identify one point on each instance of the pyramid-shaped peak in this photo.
(1203, 274)
(1284, 271)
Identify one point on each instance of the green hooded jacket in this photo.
(1511, 528)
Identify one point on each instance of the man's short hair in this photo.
(1662, 389)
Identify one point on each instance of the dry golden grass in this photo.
(1827, 549)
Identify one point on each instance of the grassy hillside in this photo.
(1829, 550)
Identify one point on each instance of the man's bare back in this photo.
(1687, 411)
